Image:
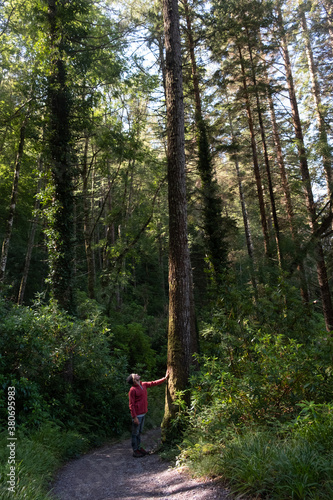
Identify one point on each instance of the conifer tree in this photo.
(180, 323)
(306, 180)
(320, 111)
(212, 207)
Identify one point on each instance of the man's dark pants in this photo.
(136, 433)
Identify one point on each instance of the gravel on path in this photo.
(111, 472)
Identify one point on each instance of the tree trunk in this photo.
(31, 242)
(179, 330)
(257, 175)
(212, 211)
(61, 245)
(280, 160)
(287, 196)
(161, 44)
(87, 231)
(246, 221)
(324, 148)
(320, 261)
(13, 200)
(267, 165)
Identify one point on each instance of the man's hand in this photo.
(136, 421)
(167, 374)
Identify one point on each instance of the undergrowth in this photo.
(293, 462)
(261, 415)
(38, 456)
(69, 375)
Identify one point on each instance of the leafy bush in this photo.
(260, 380)
(256, 364)
(63, 369)
(70, 380)
(259, 365)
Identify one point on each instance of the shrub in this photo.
(63, 369)
(292, 462)
(256, 376)
(259, 365)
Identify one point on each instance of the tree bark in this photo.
(179, 329)
(13, 200)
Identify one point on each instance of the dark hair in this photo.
(129, 380)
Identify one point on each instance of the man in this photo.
(138, 405)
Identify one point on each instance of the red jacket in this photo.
(138, 402)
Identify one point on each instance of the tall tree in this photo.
(212, 206)
(13, 200)
(31, 241)
(257, 173)
(61, 244)
(265, 150)
(286, 189)
(179, 330)
(87, 229)
(323, 145)
(246, 221)
(306, 179)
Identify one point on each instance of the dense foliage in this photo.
(69, 376)
(261, 404)
(37, 346)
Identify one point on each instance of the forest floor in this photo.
(111, 472)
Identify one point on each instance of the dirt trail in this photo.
(111, 473)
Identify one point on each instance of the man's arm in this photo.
(157, 382)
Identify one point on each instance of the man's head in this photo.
(133, 379)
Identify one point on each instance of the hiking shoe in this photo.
(137, 454)
(143, 451)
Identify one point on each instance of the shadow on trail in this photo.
(111, 473)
